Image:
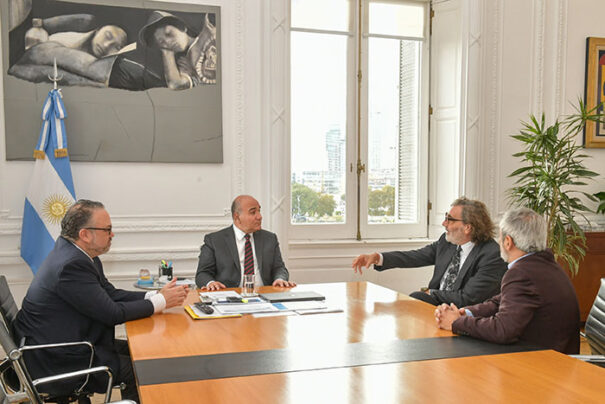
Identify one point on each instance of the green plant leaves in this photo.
(549, 176)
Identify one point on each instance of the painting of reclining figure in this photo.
(136, 55)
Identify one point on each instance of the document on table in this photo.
(245, 308)
(221, 295)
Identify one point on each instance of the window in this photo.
(386, 131)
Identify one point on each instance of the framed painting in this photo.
(141, 81)
(594, 92)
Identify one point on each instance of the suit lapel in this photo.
(468, 262)
(230, 241)
(258, 249)
(446, 258)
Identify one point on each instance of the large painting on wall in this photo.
(594, 132)
(141, 81)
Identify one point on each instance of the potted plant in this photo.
(551, 178)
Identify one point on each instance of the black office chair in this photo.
(16, 385)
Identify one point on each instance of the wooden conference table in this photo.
(383, 348)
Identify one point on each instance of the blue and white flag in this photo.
(51, 189)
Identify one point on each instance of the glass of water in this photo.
(248, 285)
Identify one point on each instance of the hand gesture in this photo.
(365, 260)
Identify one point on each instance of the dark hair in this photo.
(475, 213)
(77, 217)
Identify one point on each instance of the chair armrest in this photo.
(61, 345)
(79, 373)
(598, 360)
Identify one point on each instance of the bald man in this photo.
(224, 259)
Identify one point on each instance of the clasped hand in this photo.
(445, 315)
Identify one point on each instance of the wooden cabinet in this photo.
(592, 269)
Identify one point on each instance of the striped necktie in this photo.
(248, 257)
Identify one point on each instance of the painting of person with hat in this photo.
(189, 59)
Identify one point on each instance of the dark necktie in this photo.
(451, 273)
(248, 257)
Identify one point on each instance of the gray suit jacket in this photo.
(219, 260)
(478, 279)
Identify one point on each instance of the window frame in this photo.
(348, 230)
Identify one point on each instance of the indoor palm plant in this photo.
(551, 178)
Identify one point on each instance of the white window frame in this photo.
(348, 230)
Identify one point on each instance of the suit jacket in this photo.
(537, 304)
(219, 260)
(70, 299)
(479, 277)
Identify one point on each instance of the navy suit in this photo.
(70, 299)
(219, 260)
(479, 277)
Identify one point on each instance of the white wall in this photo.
(533, 60)
(162, 210)
(521, 56)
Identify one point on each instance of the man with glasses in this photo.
(468, 267)
(537, 303)
(70, 299)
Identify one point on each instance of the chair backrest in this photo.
(595, 323)
(8, 307)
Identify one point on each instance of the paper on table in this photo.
(274, 314)
(220, 295)
(304, 305)
(245, 308)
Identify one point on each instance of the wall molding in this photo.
(537, 62)
(493, 61)
(560, 59)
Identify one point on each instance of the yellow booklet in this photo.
(198, 315)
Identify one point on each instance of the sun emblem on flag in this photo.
(54, 208)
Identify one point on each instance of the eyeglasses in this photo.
(449, 218)
(107, 229)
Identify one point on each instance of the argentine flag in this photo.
(51, 189)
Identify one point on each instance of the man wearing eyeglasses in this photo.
(468, 267)
(70, 299)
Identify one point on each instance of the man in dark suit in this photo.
(243, 248)
(468, 267)
(70, 299)
(537, 302)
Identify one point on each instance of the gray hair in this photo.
(526, 228)
(77, 217)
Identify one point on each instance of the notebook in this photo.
(291, 296)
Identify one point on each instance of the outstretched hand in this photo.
(365, 260)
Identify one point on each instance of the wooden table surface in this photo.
(371, 314)
(529, 377)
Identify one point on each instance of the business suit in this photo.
(219, 259)
(70, 299)
(478, 279)
(537, 304)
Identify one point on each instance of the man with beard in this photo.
(537, 303)
(468, 267)
(70, 299)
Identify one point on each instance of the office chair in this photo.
(16, 385)
(594, 330)
(595, 323)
